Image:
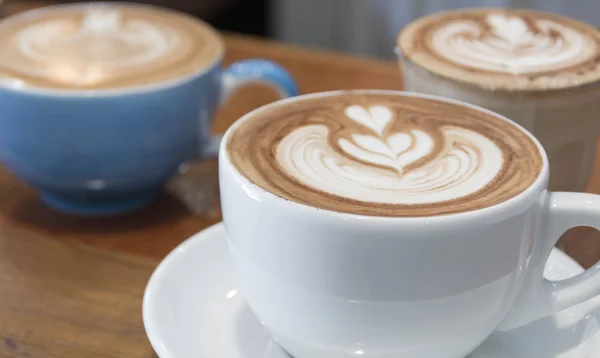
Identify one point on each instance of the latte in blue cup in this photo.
(101, 103)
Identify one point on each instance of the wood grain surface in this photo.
(67, 301)
(72, 286)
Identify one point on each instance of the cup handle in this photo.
(247, 72)
(543, 297)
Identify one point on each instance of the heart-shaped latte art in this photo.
(510, 44)
(396, 151)
(405, 167)
(383, 154)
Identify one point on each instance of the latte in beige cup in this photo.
(539, 69)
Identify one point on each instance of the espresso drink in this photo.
(103, 46)
(376, 153)
(538, 69)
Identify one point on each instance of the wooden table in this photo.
(72, 287)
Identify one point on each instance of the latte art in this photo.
(387, 167)
(509, 44)
(99, 45)
(378, 154)
(505, 49)
(103, 46)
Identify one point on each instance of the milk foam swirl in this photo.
(101, 44)
(374, 153)
(390, 167)
(509, 44)
(104, 46)
(505, 49)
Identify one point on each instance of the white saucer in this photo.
(192, 308)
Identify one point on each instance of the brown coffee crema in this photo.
(383, 154)
(103, 46)
(502, 49)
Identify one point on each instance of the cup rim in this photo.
(112, 92)
(494, 212)
(417, 24)
(549, 95)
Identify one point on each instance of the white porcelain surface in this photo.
(388, 287)
(193, 307)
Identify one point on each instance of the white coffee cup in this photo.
(332, 285)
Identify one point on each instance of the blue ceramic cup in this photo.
(110, 151)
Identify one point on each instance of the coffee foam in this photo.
(103, 47)
(505, 49)
(384, 155)
(569, 140)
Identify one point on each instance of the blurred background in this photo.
(369, 27)
(365, 27)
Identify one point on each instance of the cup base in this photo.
(86, 206)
